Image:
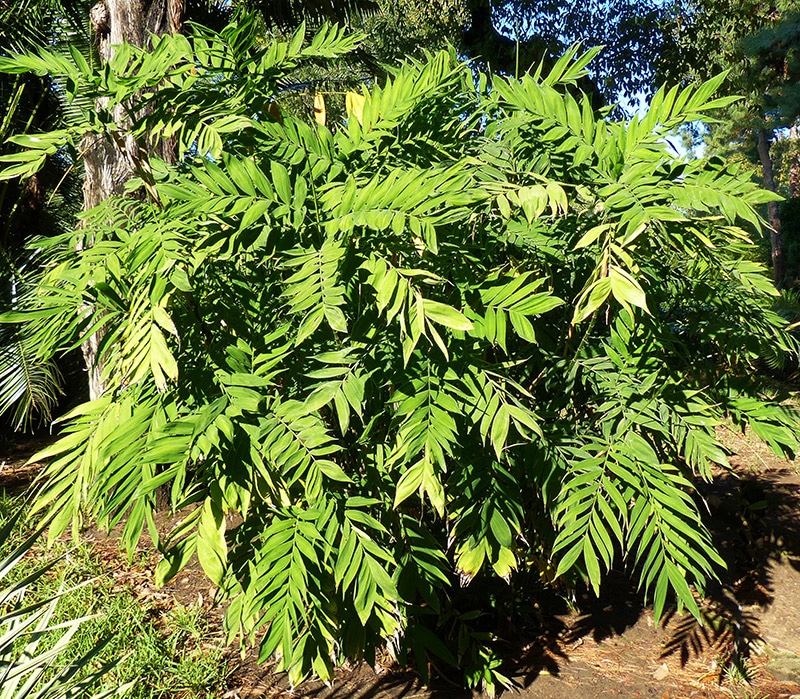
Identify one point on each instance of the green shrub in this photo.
(478, 329)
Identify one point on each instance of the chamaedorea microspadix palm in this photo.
(471, 330)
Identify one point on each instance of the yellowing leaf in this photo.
(319, 109)
(557, 198)
(470, 560)
(164, 319)
(354, 103)
(506, 562)
(626, 289)
(591, 299)
(591, 235)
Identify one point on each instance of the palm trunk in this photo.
(109, 164)
(773, 213)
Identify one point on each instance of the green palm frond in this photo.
(28, 24)
(29, 386)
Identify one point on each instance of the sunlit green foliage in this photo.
(475, 329)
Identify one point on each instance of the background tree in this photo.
(509, 36)
(758, 44)
(110, 159)
(776, 51)
(42, 205)
(514, 36)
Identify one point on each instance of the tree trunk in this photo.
(794, 163)
(773, 213)
(108, 163)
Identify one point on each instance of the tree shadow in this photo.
(753, 521)
(543, 652)
(361, 682)
(367, 685)
(618, 608)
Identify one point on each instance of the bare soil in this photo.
(611, 647)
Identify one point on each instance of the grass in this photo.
(169, 650)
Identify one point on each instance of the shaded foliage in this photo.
(42, 205)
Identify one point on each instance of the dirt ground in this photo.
(611, 647)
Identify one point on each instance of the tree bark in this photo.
(773, 213)
(794, 163)
(110, 163)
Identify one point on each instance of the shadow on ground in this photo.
(754, 519)
(755, 523)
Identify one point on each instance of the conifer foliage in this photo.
(477, 329)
